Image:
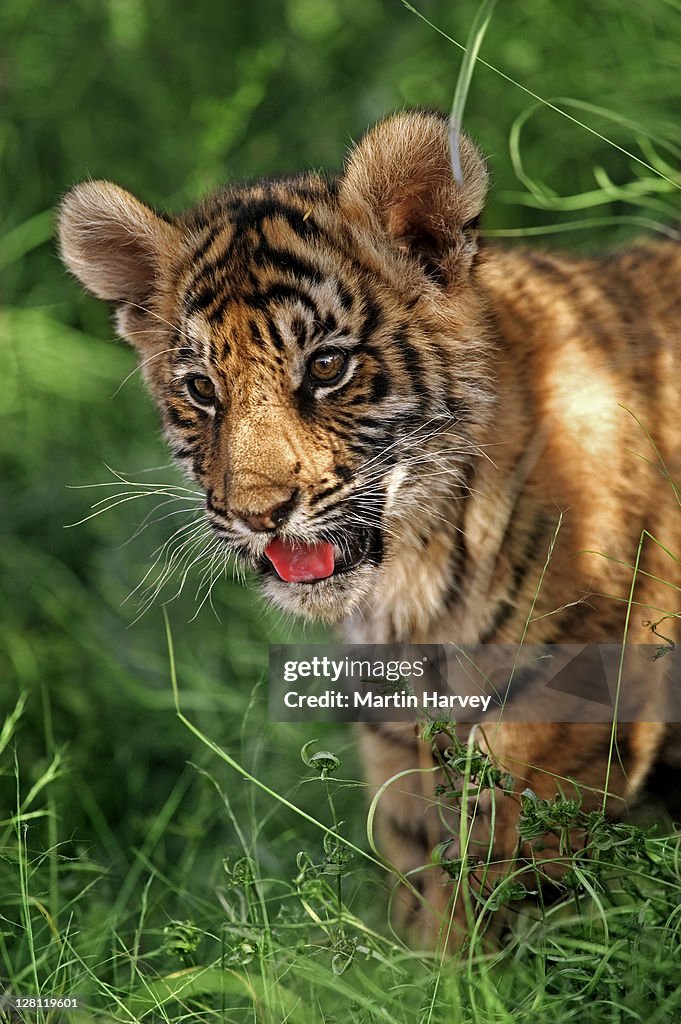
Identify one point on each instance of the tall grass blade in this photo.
(463, 84)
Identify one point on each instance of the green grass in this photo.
(142, 869)
(213, 918)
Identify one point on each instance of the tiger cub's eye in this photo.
(327, 367)
(201, 389)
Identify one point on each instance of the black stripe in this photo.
(380, 386)
(506, 606)
(264, 254)
(184, 355)
(345, 296)
(502, 613)
(216, 313)
(458, 559)
(327, 493)
(300, 330)
(457, 409)
(545, 265)
(251, 212)
(372, 319)
(305, 400)
(256, 333)
(534, 537)
(329, 324)
(372, 440)
(205, 245)
(211, 271)
(200, 300)
(278, 293)
(207, 278)
(413, 364)
(369, 446)
(177, 420)
(275, 334)
(369, 421)
(212, 506)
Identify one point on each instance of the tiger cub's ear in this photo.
(116, 246)
(399, 178)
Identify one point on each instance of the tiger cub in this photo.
(394, 426)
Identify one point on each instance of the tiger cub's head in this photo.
(315, 347)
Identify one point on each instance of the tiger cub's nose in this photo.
(271, 518)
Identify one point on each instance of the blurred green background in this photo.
(170, 99)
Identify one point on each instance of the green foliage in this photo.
(139, 870)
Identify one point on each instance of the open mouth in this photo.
(296, 562)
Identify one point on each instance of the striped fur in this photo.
(487, 394)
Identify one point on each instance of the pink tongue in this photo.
(301, 563)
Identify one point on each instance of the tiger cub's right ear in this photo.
(116, 246)
(398, 180)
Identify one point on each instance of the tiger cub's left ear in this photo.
(399, 179)
(118, 248)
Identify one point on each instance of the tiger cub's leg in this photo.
(545, 758)
(409, 825)
(436, 910)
